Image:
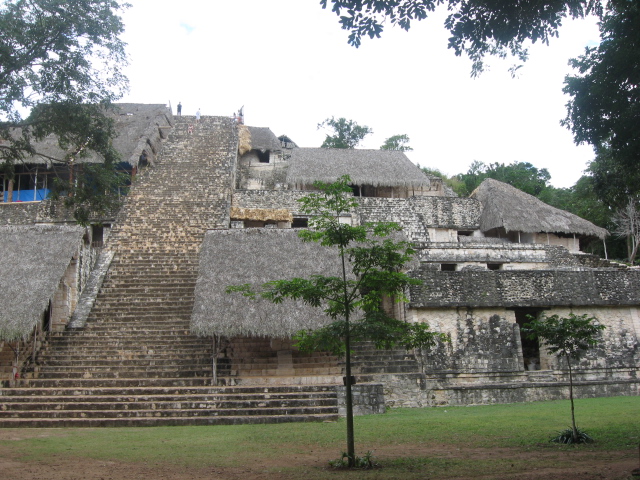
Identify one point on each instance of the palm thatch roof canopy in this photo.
(256, 256)
(34, 259)
(139, 126)
(262, 138)
(379, 168)
(507, 207)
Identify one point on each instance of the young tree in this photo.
(569, 337)
(371, 264)
(346, 133)
(397, 142)
(61, 66)
(627, 225)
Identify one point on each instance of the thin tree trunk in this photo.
(351, 449)
(10, 191)
(573, 416)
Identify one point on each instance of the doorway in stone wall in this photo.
(530, 347)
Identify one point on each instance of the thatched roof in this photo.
(34, 259)
(244, 139)
(379, 168)
(514, 210)
(286, 142)
(256, 256)
(262, 138)
(139, 126)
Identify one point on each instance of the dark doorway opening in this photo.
(530, 347)
(263, 157)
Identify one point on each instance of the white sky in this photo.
(289, 64)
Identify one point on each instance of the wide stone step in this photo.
(163, 421)
(116, 382)
(120, 351)
(102, 362)
(150, 322)
(130, 347)
(125, 337)
(389, 369)
(219, 403)
(168, 388)
(171, 411)
(104, 316)
(148, 331)
(195, 347)
(123, 373)
(141, 291)
(139, 307)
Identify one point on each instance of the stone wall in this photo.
(255, 175)
(619, 345)
(481, 340)
(368, 399)
(486, 342)
(522, 288)
(18, 213)
(509, 255)
(266, 199)
(527, 392)
(417, 215)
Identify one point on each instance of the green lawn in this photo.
(613, 422)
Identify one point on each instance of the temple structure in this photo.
(136, 303)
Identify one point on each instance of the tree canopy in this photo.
(604, 110)
(521, 175)
(397, 142)
(60, 68)
(478, 28)
(346, 133)
(604, 90)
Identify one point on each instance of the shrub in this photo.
(566, 436)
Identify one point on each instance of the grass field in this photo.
(496, 441)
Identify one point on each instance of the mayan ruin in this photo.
(126, 321)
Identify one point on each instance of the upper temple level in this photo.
(498, 227)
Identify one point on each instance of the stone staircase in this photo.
(135, 362)
(369, 364)
(269, 361)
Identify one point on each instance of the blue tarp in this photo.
(27, 195)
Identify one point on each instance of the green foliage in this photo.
(522, 175)
(366, 462)
(452, 182)
(397, 142)
(613, 180)
(569, 336)
(567, 437)
(346, 133)
(62, 62)
(604, 91)
(354, 299)
(96, 195)
(604, 110)
(477, 28)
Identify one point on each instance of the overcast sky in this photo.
(288, 63)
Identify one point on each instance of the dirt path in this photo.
(573, 465)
